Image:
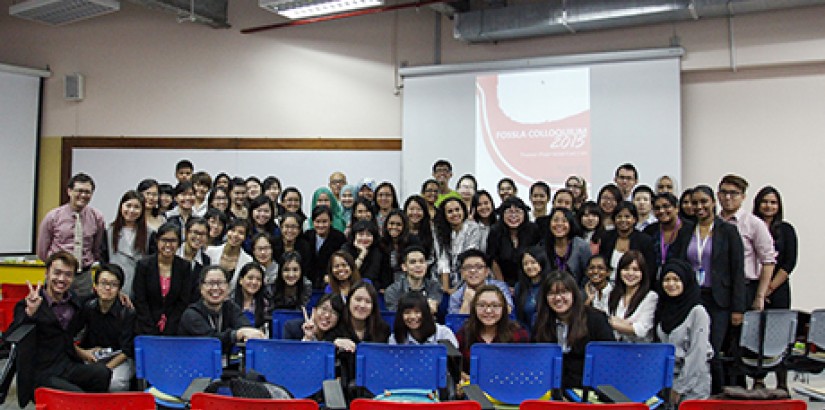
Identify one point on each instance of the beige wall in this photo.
(150, 76)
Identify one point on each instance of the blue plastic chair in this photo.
(514, 372)
(313, 300)
(299, 366)
(389, 317)
(637, 370)
(380, 367)
(169, 364)
(455, 320)
(279, 319)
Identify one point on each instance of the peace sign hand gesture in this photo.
(33, 299)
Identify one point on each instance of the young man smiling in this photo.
(475, 272)
(414, 265)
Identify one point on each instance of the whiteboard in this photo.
(116, 170)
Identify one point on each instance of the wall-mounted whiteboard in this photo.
(116, 170)
(19, 133)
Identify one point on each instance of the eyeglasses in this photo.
(108, 284)
(326, 310)
(338, 181)
(214, 284)
(729, 193)
(493, 306)
(82, 191)
(442, 170)
(514, 211)
(289, 226)
(473, 268)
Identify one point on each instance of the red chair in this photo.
(203, 401)
(50, 399)
(743, 405)
(366, 404)
(14, 291)
(7, 313)
(562, 405)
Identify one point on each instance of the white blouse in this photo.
(642, 319)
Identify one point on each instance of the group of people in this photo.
(214, 256)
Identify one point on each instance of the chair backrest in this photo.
(313, 300)
(514, 372)
(743, 405)
(50, 399)
(367, 404)
(279, 319)
(561, 405)
(639, 370)
(816, 329)
(203, 401)
(389, 317)
(7, 313)
(171, 363)
(14, 291)
(299, 366)
(780, 331)
(455, 320)
(380, 366)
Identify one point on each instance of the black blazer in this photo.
(501, 251)
(150, 305)
(728, 267)
(320, 258)
(677, 249)
(376, 266)
(598, 329)
(303, 248)
(638, 241)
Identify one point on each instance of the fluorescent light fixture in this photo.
(59, 12)
(299, 9)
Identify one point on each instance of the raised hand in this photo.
(33, 299)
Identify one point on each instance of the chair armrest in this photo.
(197, 386)
(452, 352)
(611, 394)
(474, 393)
(20, 333)
(334, 395)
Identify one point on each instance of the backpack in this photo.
(251, 385)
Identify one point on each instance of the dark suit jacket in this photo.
(638, 241)
(728, 267)
(598, 329)
(303, 248)
(320, 258)
(150, 305)
(678, 249)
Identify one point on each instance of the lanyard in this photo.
(664, 246)
(700, 244)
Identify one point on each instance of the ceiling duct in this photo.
(543, 18)
(59, 12)
(209, 12)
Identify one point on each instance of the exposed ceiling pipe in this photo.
(340, 16)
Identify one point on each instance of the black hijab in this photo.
(672, 311)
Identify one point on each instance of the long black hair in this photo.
(778, 218)
(619, 287)
(442, 226)
(545, 328)
(425, 229)
(524, 283)
(413, 300)
(260, 301)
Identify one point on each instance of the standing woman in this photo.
(466, 188)
(421, 226)
(396, 237)
(292, 201)
(484, 215)
(324, 197)
(342, 274)
(632, 304)
(561, 310)
(254, 187)
(683, 322)
(666, 184)
(272, 189)
(250, 294)
(291, 240)
(385, 200)
(219, 199)
(323, 240)
(534, 269)
(566, 251)
(563, 198)
(670, 234)
(362, 210)
(609, 197)
(348, 195)
(372, 260)
(429, 191)
(767, 205)
(454, 235)
(506, 188)
(509, 238)
(163, 286)
(150, 190)
(539, 197)
(262, 218)
(292, 288)
(217, 221)
(127, 238)
(686, 210)
(590, 220)
(625, 237)
(231, 256)
(578, 186)
(716, 254)
(488, 323)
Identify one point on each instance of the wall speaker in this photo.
(73, 87)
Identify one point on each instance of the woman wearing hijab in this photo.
(682, 321)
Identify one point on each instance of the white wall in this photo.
(149, 76)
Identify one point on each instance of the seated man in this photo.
(54, 361)
(475, 272)
(214, 315)
(109, 328)
(414, 264)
